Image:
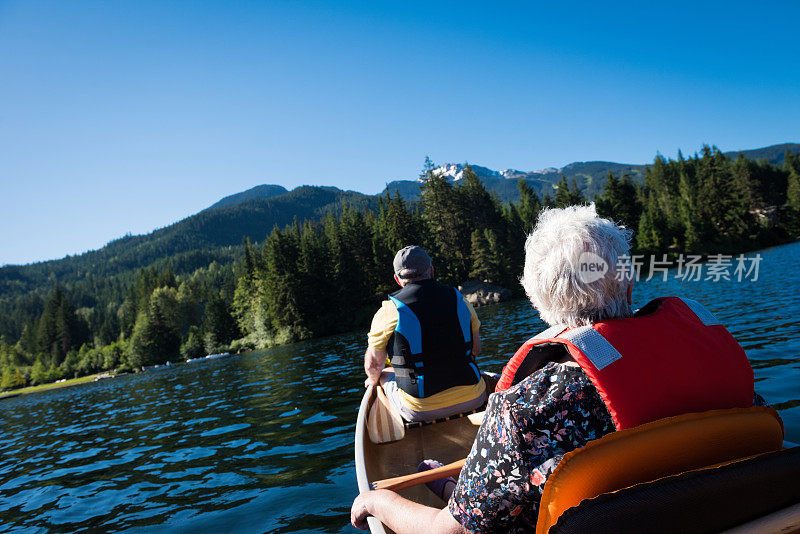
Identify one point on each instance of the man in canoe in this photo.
(431, 335)
(598, 368)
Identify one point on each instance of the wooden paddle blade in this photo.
(406, 481)
(384, 424)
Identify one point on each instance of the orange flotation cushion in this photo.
(655, 450)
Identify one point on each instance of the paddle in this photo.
(414, 479)
(384, 424)
(449, 470)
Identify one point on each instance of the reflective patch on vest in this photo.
(421, 386)
(464, 316)
(401, 372)
(553, 331)
(408, 326)
(593, 345)
(702, 313)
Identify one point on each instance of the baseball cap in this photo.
(411, 262)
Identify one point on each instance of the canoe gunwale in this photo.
(375, 526)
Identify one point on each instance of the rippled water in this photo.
(262, 442)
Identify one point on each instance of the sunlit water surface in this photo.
(263, 442)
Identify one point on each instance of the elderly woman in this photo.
(596, 369)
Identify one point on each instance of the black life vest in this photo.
(431, 347)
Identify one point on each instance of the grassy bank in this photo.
(46, 387)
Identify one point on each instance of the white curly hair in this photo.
(554, 254)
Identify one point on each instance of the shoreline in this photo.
(89, 378)
(51, 385)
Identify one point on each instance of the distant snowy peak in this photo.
(455, 172)
(514, 173)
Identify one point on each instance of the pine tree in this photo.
(792, 165)
(514, 245)
(27, 340)
(194, 346)
(155, 336)
(219, 322)
(38, 373)
(479, 208)
(47, 331)
(397, 224)
(528, 207)
(483, 268)
(316, 302)
(563, 197)
(568, 196)
(606, 203)
(743, 171)
(357, 260)
(619, 201)
(652, 228)
(59, 330)
(687, 208)
(282, 283)
(441, 211)
(726, 212)
(248, 297)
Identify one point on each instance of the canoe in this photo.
(445, 441)
(756, 493)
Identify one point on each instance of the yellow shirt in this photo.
(383, 325)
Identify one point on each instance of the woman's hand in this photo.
(360, 510)
(401, 515)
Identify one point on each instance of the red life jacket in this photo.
(676, 359)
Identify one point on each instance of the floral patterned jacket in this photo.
(526, 431)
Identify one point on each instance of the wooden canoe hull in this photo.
(446, 442)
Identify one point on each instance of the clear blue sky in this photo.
(121, 117)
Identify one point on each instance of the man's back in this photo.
(432, 339)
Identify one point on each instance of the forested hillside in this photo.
(327, 273)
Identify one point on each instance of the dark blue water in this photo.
(262, 442)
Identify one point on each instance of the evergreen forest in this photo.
(327, 274)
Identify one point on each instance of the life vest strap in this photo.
(593, 345)
(701, 312)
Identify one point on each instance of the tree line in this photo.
(313, 279)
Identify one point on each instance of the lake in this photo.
(263, 442)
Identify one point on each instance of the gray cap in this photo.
(412, 262)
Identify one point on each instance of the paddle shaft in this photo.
(414, 479)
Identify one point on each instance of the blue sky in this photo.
(120, 117)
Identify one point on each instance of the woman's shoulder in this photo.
(553, 388)
(552, 376)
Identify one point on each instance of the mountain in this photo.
(590, 176)
(215, 233)
(190, 243)
(775, 154)
(255, 193)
